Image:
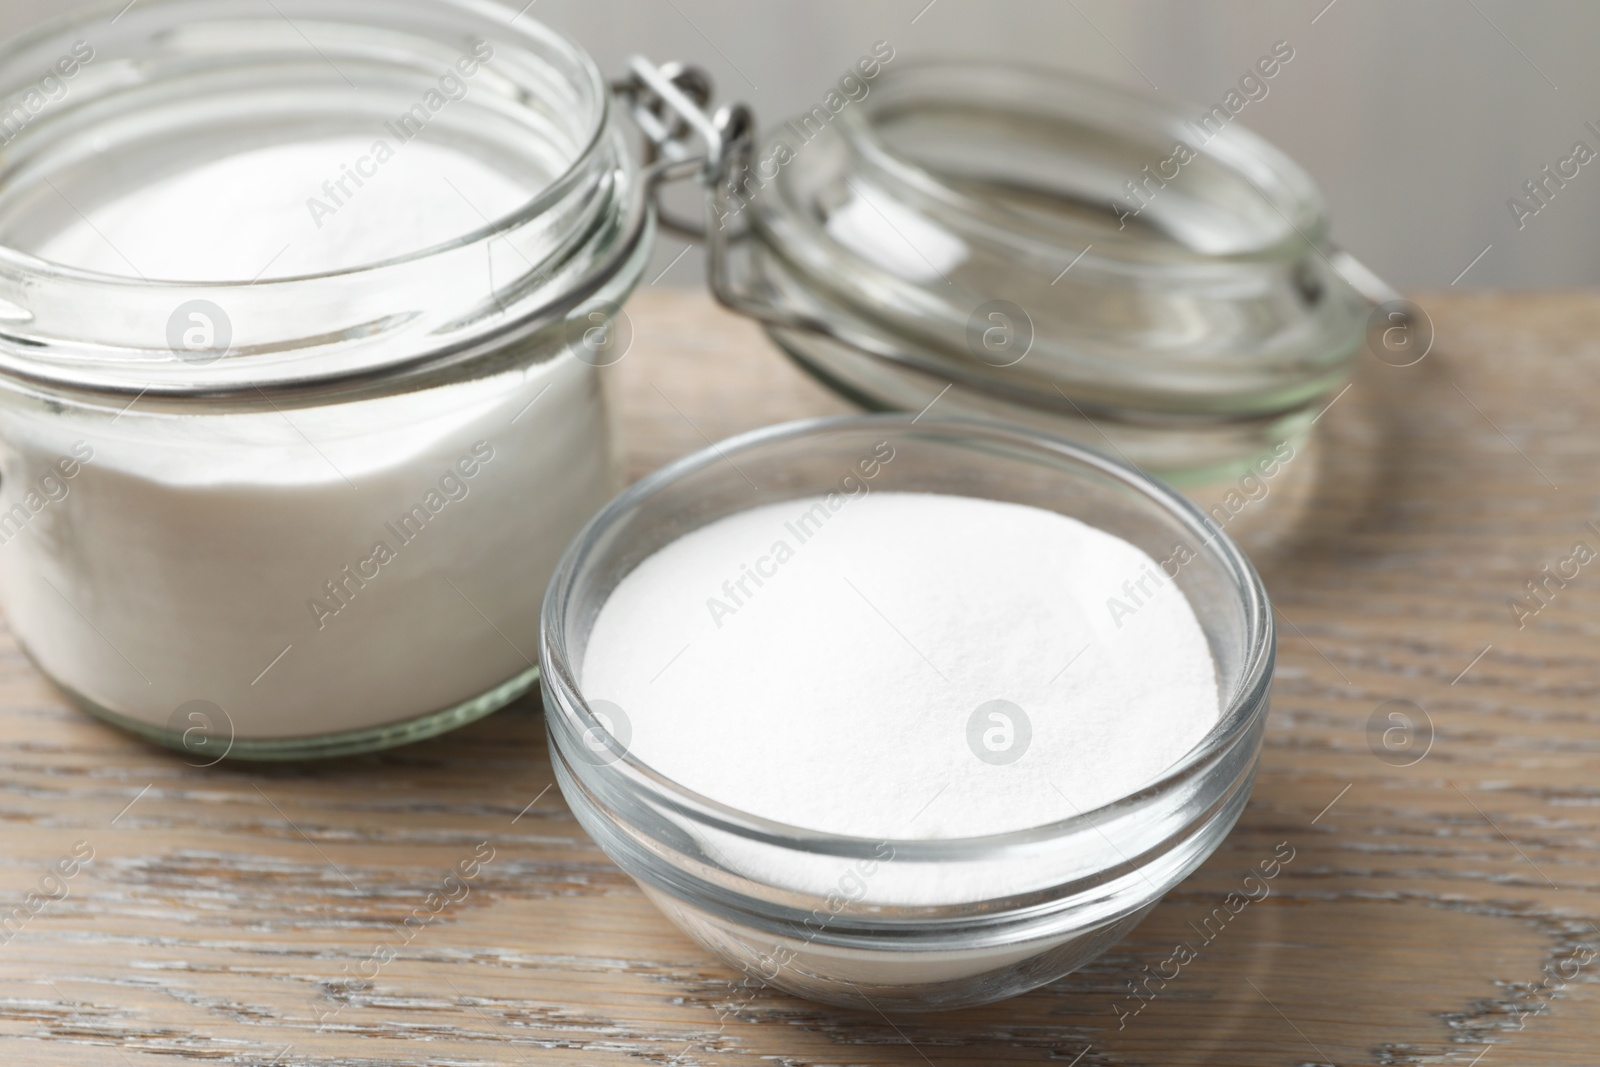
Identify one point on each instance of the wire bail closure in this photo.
(682, 140)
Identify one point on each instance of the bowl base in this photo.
(888, 980)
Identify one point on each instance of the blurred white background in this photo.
(1419, 118)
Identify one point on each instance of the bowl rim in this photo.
(1246, 707)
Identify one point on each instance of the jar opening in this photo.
(331, 187)
(243, 142)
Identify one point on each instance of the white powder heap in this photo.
(257, 200)
(834, 667)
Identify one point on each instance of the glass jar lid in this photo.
(1050, 250)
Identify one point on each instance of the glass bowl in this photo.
(847, 925)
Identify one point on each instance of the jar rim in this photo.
(535, 206)
(349, 327)
(1246, 701)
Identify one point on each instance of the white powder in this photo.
(245, 216)
(186, 556)
(838, 693)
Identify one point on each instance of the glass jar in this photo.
(301, 309)
(849, 920)
(1048, 251)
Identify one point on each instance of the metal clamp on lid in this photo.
(668, 104)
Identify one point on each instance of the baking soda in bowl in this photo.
(903, 666)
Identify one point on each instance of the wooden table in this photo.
(1438, 912)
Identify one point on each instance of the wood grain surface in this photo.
(1443, 911)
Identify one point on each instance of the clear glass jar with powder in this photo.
(301, 305)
